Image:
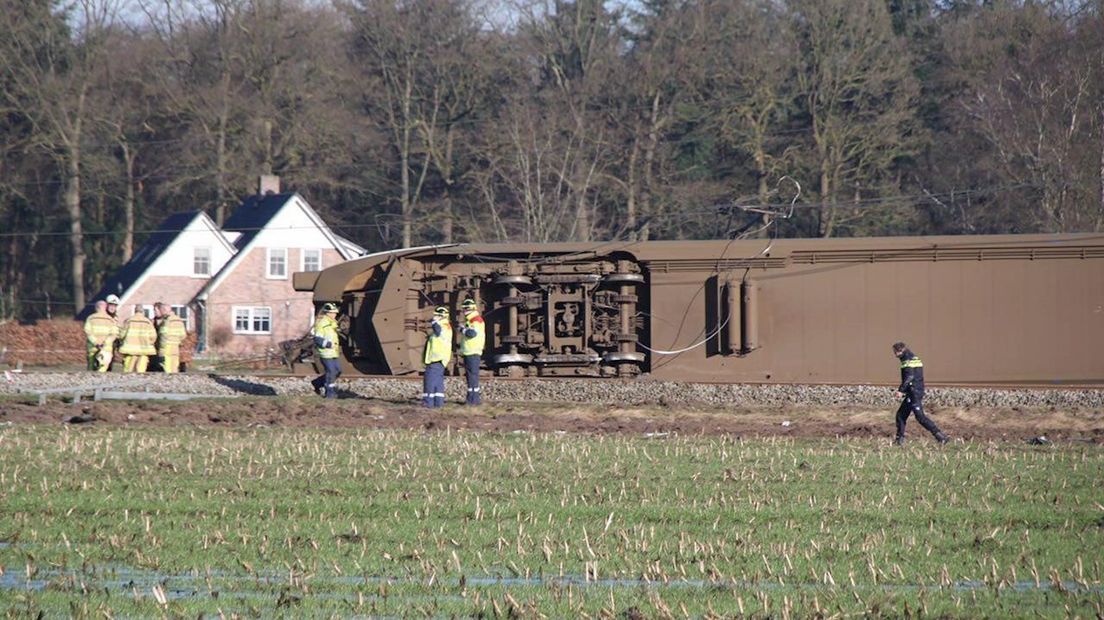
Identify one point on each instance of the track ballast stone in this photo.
(624, 393)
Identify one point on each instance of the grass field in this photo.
(113, 522)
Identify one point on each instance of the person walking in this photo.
(473, 336)
(100, 332)
(329, 351)
(171, 332)
(438, 353)
(138, 338)
(911, 391)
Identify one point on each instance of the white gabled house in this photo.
(233, 285)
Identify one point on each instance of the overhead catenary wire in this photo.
(900, 200)
(720, 259)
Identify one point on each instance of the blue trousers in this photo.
(433, 385)
(471, 373)
(328, 379)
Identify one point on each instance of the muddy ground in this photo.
(971, 424)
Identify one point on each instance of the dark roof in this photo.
(254, 214)
(163, 236)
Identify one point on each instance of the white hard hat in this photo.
(112, 299)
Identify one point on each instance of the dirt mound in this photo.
(308, 412)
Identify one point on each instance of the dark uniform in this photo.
(912, 386)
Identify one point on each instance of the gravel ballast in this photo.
(584, 391)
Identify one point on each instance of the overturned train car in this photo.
(1015, 309)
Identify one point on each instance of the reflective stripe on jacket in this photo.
(326, 329)
(101, 329)
(439, 344)
(170, 333)
(138, 336)
(912, 374)
(474, 333)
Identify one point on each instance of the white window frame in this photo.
(148, 311)
(251, 314)
(195, 258)
(269, 255)
(185, 313)
(303, 259)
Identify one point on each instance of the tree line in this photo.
(407, 122)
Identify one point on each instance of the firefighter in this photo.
(328, 349)
(138, 338)
(438, 353)
(171, 332)
(113, 302)
(101, 331)
(473, 336)
(911, 391)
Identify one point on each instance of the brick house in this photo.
(249, 306)
(233, 285)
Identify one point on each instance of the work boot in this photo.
(942, 438)
(900, 441)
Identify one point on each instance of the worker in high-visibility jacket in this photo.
(171, 332)
(328, 349)
(138, 338)
(100, 332)
(438, 353)
(473, 336)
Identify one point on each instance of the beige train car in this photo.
(1007, 309)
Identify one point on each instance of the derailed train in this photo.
(1015, 309)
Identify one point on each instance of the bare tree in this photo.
(859, 94)
(50, 72)
(1037, 109)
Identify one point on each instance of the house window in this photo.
(277, 263)
(201, 262)
(182, 312)
(252, 320)
(148, 312)
(312, 260)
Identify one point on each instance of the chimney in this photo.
(270, 184)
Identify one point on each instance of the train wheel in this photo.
(511, 359)
(513, 280)
(624, 278)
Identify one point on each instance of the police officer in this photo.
(438, 353)
(474, 335)
(911, 391)
(100, 330)
(138, 337)
(329, 349)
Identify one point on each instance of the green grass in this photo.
(179, 522)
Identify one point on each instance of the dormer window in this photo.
(201, 262)
(277, 263)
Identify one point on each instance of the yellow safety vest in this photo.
(101, 329)
(170, 333)
(138, 336)
(473, 345)
(326, 327)
(439, 348)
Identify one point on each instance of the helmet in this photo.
(112, 299)
(329, 307)
(441, 311)
(468, 304)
